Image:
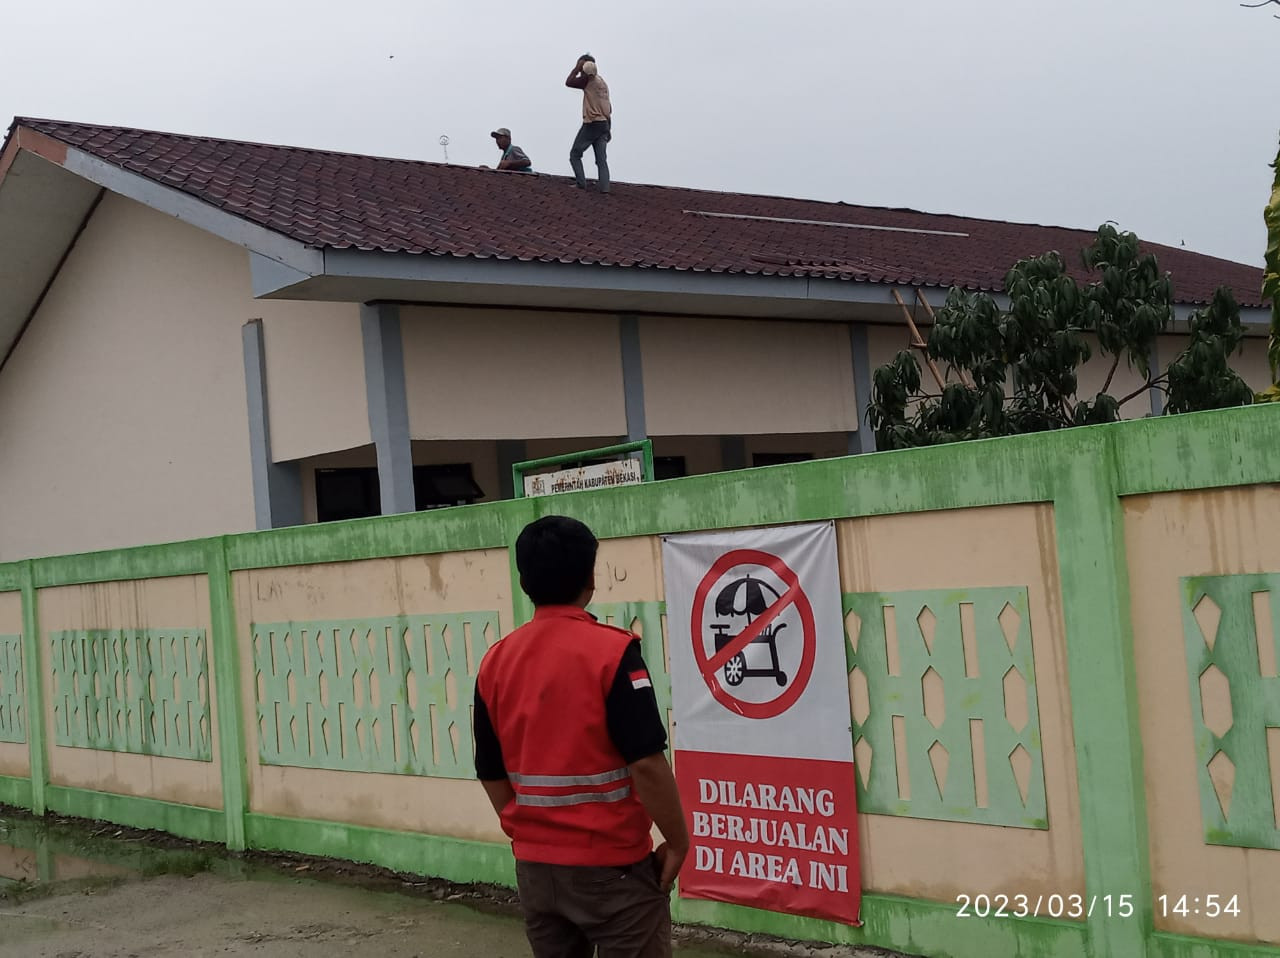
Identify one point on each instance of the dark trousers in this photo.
(572, 910)
(595, 135)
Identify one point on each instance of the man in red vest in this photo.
(571, 750)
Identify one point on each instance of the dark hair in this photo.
(556, 557)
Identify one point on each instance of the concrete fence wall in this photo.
(1062, 656)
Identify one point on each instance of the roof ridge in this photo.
(840, 204)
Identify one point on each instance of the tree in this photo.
(1015, 370)
(1271, 286)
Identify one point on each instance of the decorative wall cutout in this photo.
(12, 702)
(943, 700)
(647, 620)
(1231, 645)
(132, 690)
(390, 694)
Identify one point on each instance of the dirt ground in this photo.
(77, 889)
(215, 915)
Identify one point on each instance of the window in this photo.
(669, 467)
(353, 493)
(779, 458)
(347, 493)
(437, 486)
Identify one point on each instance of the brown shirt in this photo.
(595, 100)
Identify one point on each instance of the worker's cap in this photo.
(589, 68)
(501, 131)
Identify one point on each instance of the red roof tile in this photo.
(341, 200)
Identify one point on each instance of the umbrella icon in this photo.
(746, 597)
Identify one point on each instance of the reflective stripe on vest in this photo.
(565, 781)
(576, 798)
(569, 781)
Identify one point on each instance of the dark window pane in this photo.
(669, 467)
(450, 484)
(347, 493)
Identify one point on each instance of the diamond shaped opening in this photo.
(1020, 762)
(852, 628)
(928, 623)
(1265, 634)
(450, 689)
(969, 639)
(1222, 773)
(1015, 699)
(935, 705)
(859, 700)
(862, 760)
(1010, 622)
(1215, 701)
(940, 759)
(468, 642)
(1207, 616)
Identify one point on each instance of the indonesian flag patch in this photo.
(640, 680)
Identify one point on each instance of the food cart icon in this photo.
(746, 597)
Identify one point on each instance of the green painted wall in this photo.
(1083, 473)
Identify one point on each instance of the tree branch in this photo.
(1262, 3)
(1149, 384)
(1114, 366)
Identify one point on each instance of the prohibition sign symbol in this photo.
(709, 665)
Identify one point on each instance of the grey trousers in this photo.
(573, 911)
(595, 135)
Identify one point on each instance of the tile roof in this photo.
(340, 200)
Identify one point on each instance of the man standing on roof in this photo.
(597, 121)
(513, 158)
(570, 748)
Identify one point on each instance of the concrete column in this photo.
(384, 379)
(510, 451)
(864, 439)
(277, 486)
(632, 377)
(733, 453)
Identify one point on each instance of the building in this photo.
(202, 336)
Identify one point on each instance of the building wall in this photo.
(122, 409)
(511, 374)
(741, 377)
(315, 377)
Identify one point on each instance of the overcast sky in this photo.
(1159, 114)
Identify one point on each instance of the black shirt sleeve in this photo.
(636, 727)
(490, 766)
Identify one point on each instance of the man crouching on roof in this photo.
(570, 748)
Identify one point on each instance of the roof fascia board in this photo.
(429, 269)
(269, 276)
(198, 213)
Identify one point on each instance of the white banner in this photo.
(763, 735)
(603, 475)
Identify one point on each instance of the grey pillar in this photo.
(632, 377)
(277, 486)
(510, 451)
(1157, 397)
(733, 453)
(388, 406)
(864, 439)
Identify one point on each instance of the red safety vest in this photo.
(544, 686)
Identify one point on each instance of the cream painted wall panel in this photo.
(413, 585)
(122, 410)
(511, 374)
(1091, 376)
(725, 377)
(970, 548)
(181, 602)
(14, 757)
(1250, 361)
(1215, 532)
(315, 377)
